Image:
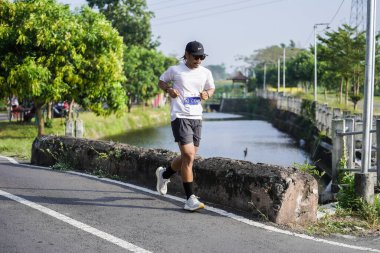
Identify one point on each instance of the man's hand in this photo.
(204, 95)
(173, 93)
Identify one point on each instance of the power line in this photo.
(311, 33)
(220, 12)
(160, 2)
(204, 10)
(332, 19)
(178, 5)
(336, 13)
(309, 37)
(357, 19)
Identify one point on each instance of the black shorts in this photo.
(187, 131)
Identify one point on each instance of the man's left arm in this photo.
(206, 94)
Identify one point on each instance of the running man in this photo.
(187, 84)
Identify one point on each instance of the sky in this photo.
(232, 28)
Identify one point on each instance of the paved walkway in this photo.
(3, 116)
(52, 211)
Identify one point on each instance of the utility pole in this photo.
(284, 68)
(364, 186)
(278, 76)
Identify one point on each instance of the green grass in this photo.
(332, 99)
(16, 138)
(345, 222)
(139, 118)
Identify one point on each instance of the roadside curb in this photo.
(211, 209)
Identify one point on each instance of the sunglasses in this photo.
(199, 57)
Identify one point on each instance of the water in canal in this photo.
(228, 135)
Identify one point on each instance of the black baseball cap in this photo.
(195, 48)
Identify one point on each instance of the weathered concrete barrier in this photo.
(284, 195)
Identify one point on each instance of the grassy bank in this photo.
(16, 138)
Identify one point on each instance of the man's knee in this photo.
(188, 156)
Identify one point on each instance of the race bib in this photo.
(193, 104)
(192, 100)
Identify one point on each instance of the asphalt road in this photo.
(49, 211)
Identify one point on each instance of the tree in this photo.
(131, 18)
(268, 56)
(292, 44)
(142, 69)
(301, 68)
(377, 63)
(47, 53)
(355, 98)
(343, 51)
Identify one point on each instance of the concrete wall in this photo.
(235, 105)
(284, 195)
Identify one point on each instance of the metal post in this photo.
(284, 68)
(315, 63)
(368, 86)
(364, 187)
(278, 76)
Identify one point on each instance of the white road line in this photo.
(103, 235)
(11, 160)
(220, 212)
(233, 216)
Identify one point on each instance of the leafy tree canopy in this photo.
(343, 52)
(142, 69)
(47, 53)
(131, 18)
(271, 54)
(301, 67)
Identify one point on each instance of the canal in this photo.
(228, 135)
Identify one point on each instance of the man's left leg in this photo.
(188, 152)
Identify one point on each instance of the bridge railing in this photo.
(347, 147)
(345, 130)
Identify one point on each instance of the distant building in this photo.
(238, 77)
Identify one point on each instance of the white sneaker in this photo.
(162, 183)
(193, 204)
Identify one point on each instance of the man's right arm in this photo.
(163, 85)
(167, 88)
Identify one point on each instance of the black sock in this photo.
(168, 172)
(188, 189)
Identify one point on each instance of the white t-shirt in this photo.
(189, 83)
(14, 101)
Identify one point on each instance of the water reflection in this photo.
(227, 135)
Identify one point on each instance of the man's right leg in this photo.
(163, 175)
